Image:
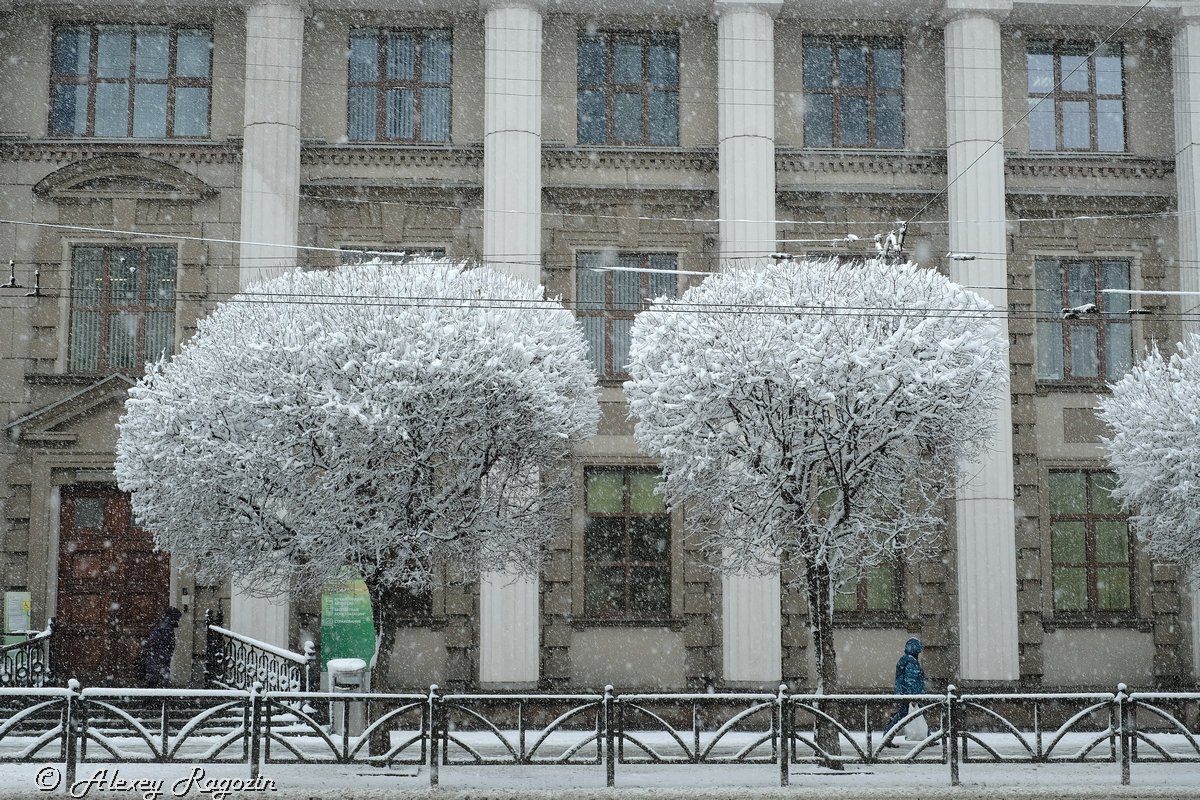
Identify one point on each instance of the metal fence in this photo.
(602, 730)
(27, 662)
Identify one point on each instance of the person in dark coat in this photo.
(910, 679)
(158, 649)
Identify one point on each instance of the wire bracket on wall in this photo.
(37, 284)
(12, 276)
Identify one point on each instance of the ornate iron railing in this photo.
(434, 731)
(28, 663)
(235, 661)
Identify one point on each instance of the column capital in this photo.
(532, 5)
(305, 6)
(1188, 14)
(769, 7)
(962, 9)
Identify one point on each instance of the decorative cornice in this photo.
(123, 176)
(375, 156)
(1085, 167)
(848, 162)
(66, 151)
(963, 9)
(697, 160)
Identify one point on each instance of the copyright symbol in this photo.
(47, 779)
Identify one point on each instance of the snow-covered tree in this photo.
(1154, 415)
(384, 417)
(813, 417)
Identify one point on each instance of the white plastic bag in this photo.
(917, 728)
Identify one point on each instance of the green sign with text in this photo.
(347, 627)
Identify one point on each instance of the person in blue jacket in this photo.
(910, 679)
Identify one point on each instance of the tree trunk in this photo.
(385, 613)
(819, 586)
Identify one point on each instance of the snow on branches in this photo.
(381, 416)
(1154, 415)
(815, 409)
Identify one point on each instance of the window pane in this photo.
(650, 590)
(1074, 72)
(1041, 125)
(1082, 288)
(592, 128)
(620, 344)
(402, 56)
(650, 538)
(435, 114)
(664, 63)
(887, 69)
(606, 492)
(1076, 121)
(1102, 500)
(1112, 542)
(364, 56)
(153, 52)
(1050, 350)
(627, 117)
(604, 539)
(604, 590)
(1070, 588)
(853, 121)
(1116, 276)
(1118, 349)
(662, 284)
(89, 512)
(362, 113)
(593, 333)
(881, 588)
(1108, 74)
(627, 59)
(1112, 588)
(150, 110)
(160, 334)
(852, 64)
(114, 52)
(589, 284)
(401, 110)
(435, 57)
(160, 277)
(1069, 542)
(627, 285)
(70, 108)
(85, 341)
(1110, 122)
(72, 48)
(642, 497)
(191, 111)
(592, 67)
(1049, 287)
(664, 118)
(87, 279)
(818, 64)
(1068, 493)
(123, 277)
(889, 123)
(818, 120)
(1040, 67)
(112, 109)
(193, 54)
(122, 340)
(1085, 356)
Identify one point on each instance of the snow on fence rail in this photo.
(606, 730)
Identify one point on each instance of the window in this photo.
(607, 300)
(1082, 332)
(150, 81)
(399, 85)
(853, 92)
(876, 589)
(1084, 96)
(626, 545)
(122, 307)
(1090, 546)
(628, 88)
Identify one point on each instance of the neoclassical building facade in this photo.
(154, 159)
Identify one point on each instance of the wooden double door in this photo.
(112, 587)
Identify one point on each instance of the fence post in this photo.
(210, 655)
(71, 734)
(435, 732)
(310, 667)
(256, 723)
(951, 732)
(610, 755)
(785, 735)
(1123, 732)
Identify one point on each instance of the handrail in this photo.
(27, 663)
(233, 660)
(299, 658)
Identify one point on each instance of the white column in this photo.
(271, 138)
(987, 569)
(751, 639)
(270, 212)
(509, 612)
(1186, 70)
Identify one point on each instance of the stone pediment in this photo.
(123, 177)
(52, 424)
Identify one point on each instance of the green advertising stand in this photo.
(347, 627)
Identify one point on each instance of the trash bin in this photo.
(348, 676)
